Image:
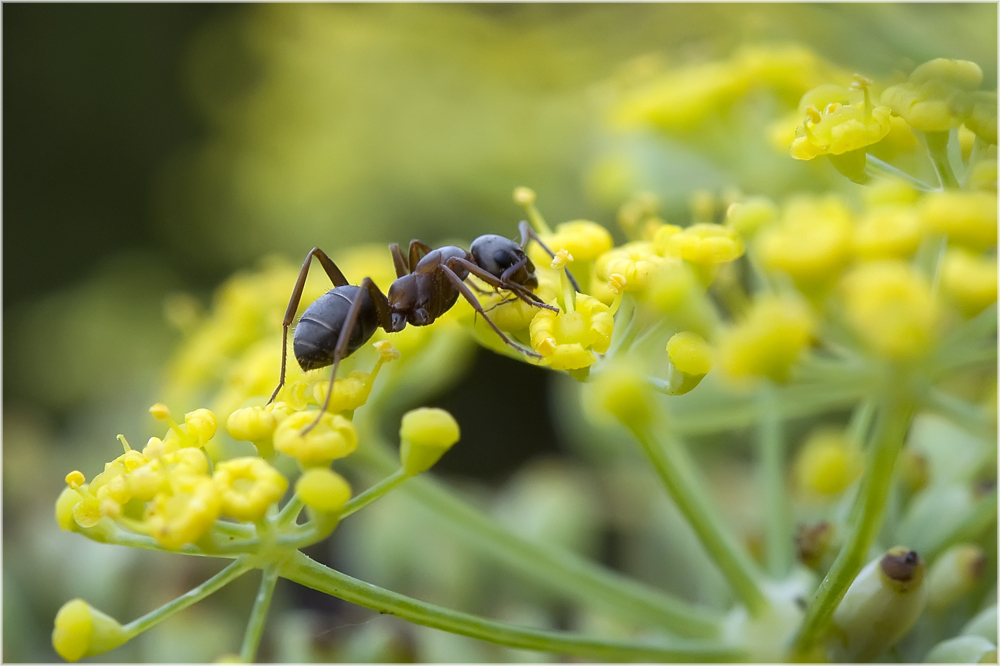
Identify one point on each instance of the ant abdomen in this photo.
(319, 328)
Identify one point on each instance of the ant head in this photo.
(495, 254)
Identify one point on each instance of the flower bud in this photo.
(955, 573)
(251, 424)
(963, 650)
(623, 392)
(425, 434)
(323, 490)
(83, 631)
(333, 437)
(881, 605)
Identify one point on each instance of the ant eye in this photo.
(504, 258)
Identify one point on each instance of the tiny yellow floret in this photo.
(68, 499)
(333, 437)
(248, 486)
(892, 308)
(568, 340)
(82, 631)
(970, 279)
(703, 243)
(184, 510)
(75, 479)
(827, 463)
(425, 434)
(689, 353)
(813, 242)
(637, 262)
(251, 424)
(323, 490)
(768, 342)
(623, 392)
(891, 231)
(967, 218)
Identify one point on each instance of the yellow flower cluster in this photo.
(167, 491)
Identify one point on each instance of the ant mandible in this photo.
(428, 283)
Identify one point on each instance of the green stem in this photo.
(290, 512)
(255, 627)
(211, 545)
(971, 418)
(732, 412)
(552, 567)
(378, 490)
(777, 516)
(216, 582)
(680, 476)
(881, 168)
(872, 497)
(307, 572)
(937, 147)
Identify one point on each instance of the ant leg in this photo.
(527, 231)
(340, 351)
(399, 261)
(469, 296)
(518, 290)
(417, 252)
(338, 280)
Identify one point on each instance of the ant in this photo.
(428, 283)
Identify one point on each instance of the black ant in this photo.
(428, 283)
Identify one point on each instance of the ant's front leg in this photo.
(474, 302)
(527, 231)
(338, 280)
(518, 290)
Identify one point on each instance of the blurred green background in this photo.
(155, 149)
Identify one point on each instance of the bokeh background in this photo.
(153, 150)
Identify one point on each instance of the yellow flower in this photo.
(888, 232)
(689, 353)
(622, 391)
(146, 481)
(568, 339)
(891, 307)
(706, 244)
(184, 510)
(983, 118)
(83, 631)
(637, 262)
(583, 239)
(827, 463)
(425, 434)
(690, 360)
(768, 342)
(967, 218)
(322, 489)
(836, 128)
(681, 98)
(749, 216)
(937, 95)
(251, 424)
(970, 279)
(248, 486)
(69, 498)
(813, 242)
(333, 437)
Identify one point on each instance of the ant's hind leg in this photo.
(527, 231)
(340, 351)
(474, 302)
(338, 280)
